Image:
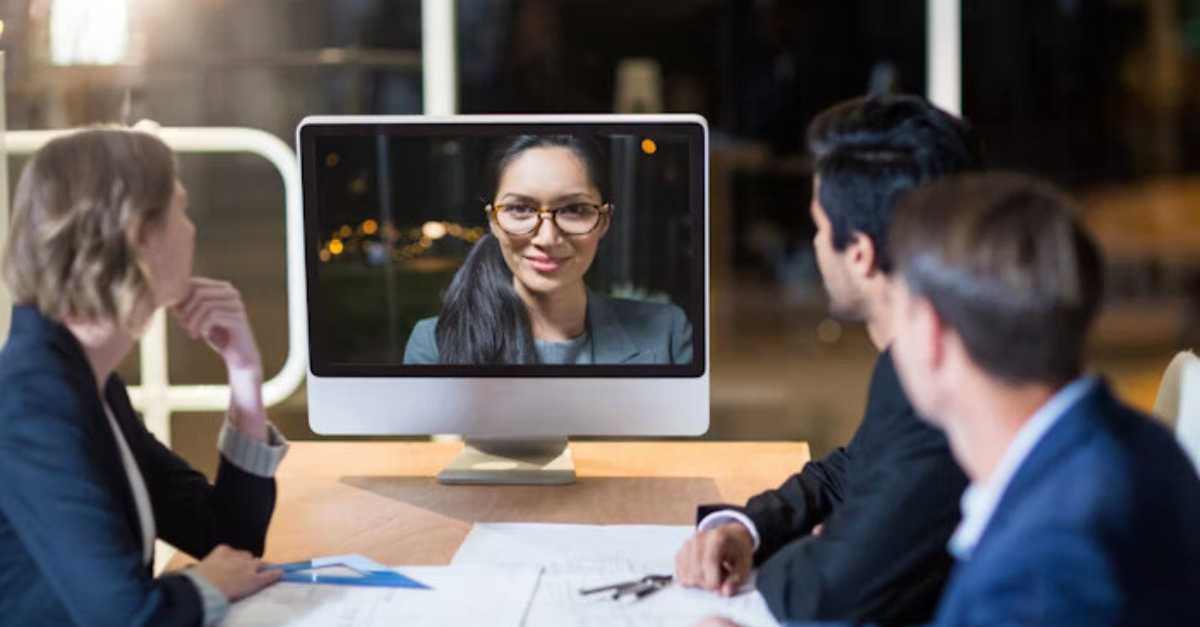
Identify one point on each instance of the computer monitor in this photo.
(513, 279)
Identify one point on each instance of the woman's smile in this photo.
(545, 264)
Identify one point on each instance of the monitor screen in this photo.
(505, 249)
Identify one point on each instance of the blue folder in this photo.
(308, 572)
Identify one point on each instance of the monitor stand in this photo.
(511, 462)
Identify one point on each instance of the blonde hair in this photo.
(81, 202)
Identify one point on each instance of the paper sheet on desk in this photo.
(469, 595)
(581, 556)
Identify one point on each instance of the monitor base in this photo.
(511, 462)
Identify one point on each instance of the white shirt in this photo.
(979, 501)
(718, 518)
(137, 484)
(248, 454)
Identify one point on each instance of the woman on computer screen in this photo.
(520, 297)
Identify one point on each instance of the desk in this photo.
(380, 499)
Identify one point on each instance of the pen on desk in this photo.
(638, 588)
(647, 591)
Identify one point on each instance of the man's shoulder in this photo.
(890, 417)
(1126, 481)
(1131, 463)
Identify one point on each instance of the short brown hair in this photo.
(1005, 262)
(79, 200)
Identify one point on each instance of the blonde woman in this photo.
(100, 239)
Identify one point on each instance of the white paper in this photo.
(469, 595)
(583, 556)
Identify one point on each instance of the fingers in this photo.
(209, 299)
(264, 578)
(206, 289)
(711, 575)
(736, 567)
(738, 562)
(683, 563)
(236, 573)
(251, 575)
(208, 315)
(732, 581)
(709, 560)
(690, 559)
(199, 296)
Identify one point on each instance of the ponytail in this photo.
(483, 320)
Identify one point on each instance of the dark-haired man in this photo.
(860, 534)
(1080, 511)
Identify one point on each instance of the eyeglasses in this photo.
(524, 218)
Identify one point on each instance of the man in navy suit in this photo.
(1080, 510)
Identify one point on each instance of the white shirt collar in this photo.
(979, 501)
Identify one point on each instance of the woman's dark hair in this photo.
(483, 320)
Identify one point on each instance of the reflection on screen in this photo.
(568, 249)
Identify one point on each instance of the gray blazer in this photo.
(623, 332)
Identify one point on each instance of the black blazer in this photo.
(889, 502)
(70, 539)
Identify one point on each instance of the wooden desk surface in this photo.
(380, 499)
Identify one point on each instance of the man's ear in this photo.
(862, 255)
(941, 337)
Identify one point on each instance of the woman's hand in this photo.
(214, 311)
(236, 574)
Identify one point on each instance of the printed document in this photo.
(574, 557)
(469, 595)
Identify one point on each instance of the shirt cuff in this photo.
(216, 606)
(249, 454)
(718, 518)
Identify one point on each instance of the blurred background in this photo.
(1102, 96)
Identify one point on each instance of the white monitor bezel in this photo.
(530, 407)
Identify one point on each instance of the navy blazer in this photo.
(1099, 526)
(623, 332)
(70, 539)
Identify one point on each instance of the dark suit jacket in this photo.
(70, 539)
(889, 502)
(1099, 526)
(623, 332)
